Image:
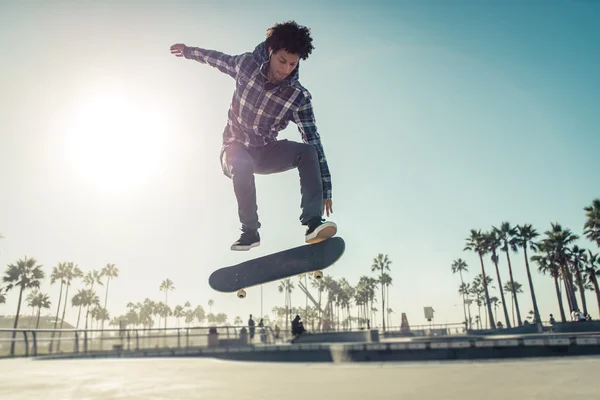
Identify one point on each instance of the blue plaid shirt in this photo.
(259, 109)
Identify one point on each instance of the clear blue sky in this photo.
(435, 119)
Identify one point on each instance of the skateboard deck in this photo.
(276, 266)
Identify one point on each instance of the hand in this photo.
(327, 207)
(178, 49)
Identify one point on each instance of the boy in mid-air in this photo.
(268, 95)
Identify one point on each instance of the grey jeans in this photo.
(240, 164)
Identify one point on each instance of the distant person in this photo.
(277, 331)
(297, 326)
(263, 333)
(574, 315)
(251, 327)
(552, 320)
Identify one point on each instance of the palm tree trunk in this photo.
(559, 297)
(470, 319)
(506, 317)
(596, 289)
(487, 295)
(512, 306)
(463, 296)
(536, 310)
(106, 298)
(382, 301)
(514, 293)
(58, 306)
(14, 333)
(568, 288)
(37, 323)
(581, 290)
(57, 311)
(78, 317)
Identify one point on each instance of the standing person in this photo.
(268, 95)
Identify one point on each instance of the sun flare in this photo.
(114, 142)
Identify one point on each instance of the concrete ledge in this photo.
(375, 352)
(572, 327)
(339, 337)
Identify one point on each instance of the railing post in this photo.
(33, 333)
(26, 344)
(76, 342)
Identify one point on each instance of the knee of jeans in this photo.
(310, 152)
(241, 166)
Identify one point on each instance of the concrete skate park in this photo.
(219, 363)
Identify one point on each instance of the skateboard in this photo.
(273, 267)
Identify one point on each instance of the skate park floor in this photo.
(205, 378)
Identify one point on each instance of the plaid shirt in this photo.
(259, 109)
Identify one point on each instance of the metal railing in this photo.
(36, 342)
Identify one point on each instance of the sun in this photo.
(116, 143)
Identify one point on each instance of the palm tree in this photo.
(58, 274)
(476, 242)
(286, 286)
(67, 272)
(89, 299)
(525, 239)
(493, 243)
(465, 291)
(30, 301)
(77, 301)
(167, 286)
(25, 274)
(556, 243)
(386, 281)
(591, 272)
(459, 265)
(2, 296)
(41, 300)
(90, 279)
(576, 257)
(381, 263)
(110, 272)
(546, 265)
(211, 302)
(178, 313)
(514, 288)
(508, 237)
(592, 221)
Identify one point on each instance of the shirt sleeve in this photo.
(225, 63)
(304, 118)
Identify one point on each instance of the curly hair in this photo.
(294, 38)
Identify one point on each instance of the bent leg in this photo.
(284, 155)
(238, 164)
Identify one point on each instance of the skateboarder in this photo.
(268, 95)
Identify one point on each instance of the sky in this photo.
(436, 118)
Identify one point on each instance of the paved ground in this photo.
(191, 378)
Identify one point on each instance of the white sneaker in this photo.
(318, 230)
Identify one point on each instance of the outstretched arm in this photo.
(223, 62)
(304, 118)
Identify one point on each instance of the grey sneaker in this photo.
(319, 230)
(247, 240)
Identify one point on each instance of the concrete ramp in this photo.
(368, 336)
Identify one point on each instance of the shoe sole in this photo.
(244, 248)
(319, 235)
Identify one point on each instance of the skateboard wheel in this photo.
(241, 293)
(318, 274)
